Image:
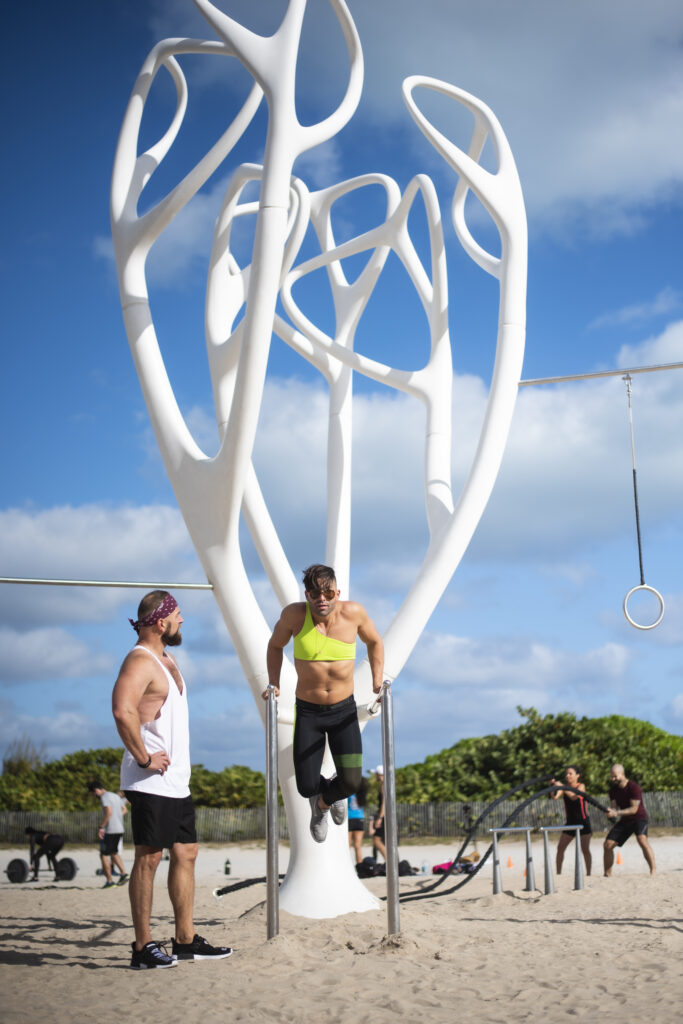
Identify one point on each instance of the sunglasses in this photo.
(328, 592)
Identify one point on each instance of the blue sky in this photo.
(591, 99)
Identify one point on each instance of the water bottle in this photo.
(425, 867)
(226, 869)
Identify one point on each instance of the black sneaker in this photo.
(151, 956)
(198, 949)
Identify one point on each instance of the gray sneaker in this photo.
(338, 812)
(318, 824)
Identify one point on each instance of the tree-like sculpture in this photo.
(214, 492)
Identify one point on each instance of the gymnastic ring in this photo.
(644, 586)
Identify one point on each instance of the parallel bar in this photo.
(578, 869)
(497, 880)
(578, 862)
(108, 583)
(530, 876)
(547, 866)
(272, 823)
(391, 836)
(599, 373)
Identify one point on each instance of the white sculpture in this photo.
(212, 492)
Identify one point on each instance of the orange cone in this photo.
(509, 862)
(619, 860)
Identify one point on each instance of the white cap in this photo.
(379, 770)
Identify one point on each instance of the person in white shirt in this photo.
(110, 833)
(151, 714)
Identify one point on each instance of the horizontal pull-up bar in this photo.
(600, 373)
(109, 583)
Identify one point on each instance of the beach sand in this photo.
(611, 951)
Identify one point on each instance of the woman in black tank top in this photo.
(576, 811)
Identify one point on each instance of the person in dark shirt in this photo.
(576, 811)
(628, 812)
(43, 844)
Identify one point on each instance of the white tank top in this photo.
(170, 731)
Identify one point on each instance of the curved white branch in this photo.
(500, 192)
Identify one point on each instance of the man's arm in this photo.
(624, 812)
(129, 690)
(279, 639)
(107, 816)
(367, 631)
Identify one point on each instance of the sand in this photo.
(610, 951)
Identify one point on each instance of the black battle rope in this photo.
(428, 893)
(244, 884)
(473, 830)
(627, 380)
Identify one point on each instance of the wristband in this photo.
(146, 764)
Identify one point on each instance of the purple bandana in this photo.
(162, 612)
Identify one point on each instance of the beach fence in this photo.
(414, 821)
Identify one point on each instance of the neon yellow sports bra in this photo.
(310, 645)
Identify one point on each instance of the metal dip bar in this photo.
(548, 864)
(530, 877)
(391, 836)
(272, 823)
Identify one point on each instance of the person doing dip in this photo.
(325, 630)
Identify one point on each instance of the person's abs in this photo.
(324, 682)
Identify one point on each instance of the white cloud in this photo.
(321, 166)
(58, 733)
(65, 541)
(512, 667)
(666, 347)
(47, 654)
(588, 137)
(668, 300)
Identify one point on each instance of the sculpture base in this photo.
(321, 880)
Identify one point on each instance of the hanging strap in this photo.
(627, 380)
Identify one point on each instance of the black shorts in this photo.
(379, 829)
(161, 821)
(356, 825)
(109, 843)
(623, 830)
(586, 830)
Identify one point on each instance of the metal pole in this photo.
(391, 835)
(547, 866)
(578, 864)
(497, 880)
(272, 824)
(600, 373)
(530, 876)
(107, 583)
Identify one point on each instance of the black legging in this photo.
(339, 722)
